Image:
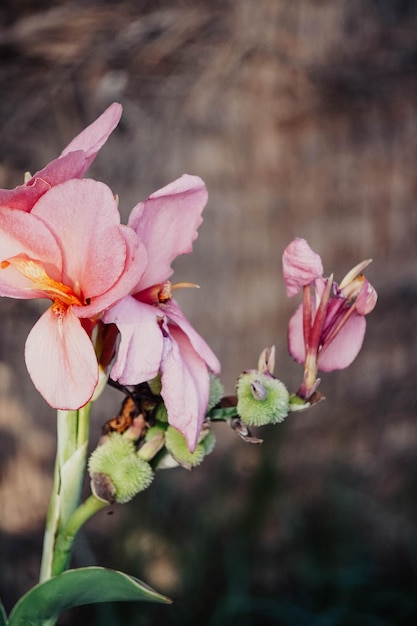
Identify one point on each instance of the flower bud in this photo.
(262, 399)
(116, 470)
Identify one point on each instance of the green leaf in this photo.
(43, 604)
(3, 616)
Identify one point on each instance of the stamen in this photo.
(354, 273)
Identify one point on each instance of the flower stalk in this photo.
(70, 465)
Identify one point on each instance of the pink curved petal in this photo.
(345, 347)
(24, 233)
(140, 349)
(296, 346)
(167, 223)
(72, 165)
(23, 197)
(84, 217)
(92, 138)
(301, 266)
(61, 360)
(200, 346)
(185, 386)
(135, 263)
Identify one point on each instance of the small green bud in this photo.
(177, 446)
(216, 391)
(116, 471)
(262, 399)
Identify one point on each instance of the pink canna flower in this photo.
(155, 334)
(71, 249)
(73, 162)
(326, 332)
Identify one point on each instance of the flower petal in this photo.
(296, 346)
(200, 346)
(92, 138)
(140, 349)
(135, 263)
(301, 266)
(167, 224)
(72, 165)
(24, 233)
(185, 386)
(84, 216)
(345, 347)
(61, 360)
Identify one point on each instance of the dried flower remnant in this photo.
(327, 330)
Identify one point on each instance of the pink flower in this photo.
(73, 162)
(72, 250)
(155, 335)
(326, 332)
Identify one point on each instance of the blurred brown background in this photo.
(301, 116)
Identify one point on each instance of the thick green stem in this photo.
(70, 465)
(65, 539)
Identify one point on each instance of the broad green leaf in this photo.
(43, 604)
(3, 616)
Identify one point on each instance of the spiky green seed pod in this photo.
(262, 398)
(117, 472)
(177, 446)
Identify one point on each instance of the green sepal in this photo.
(297, 404)
(44, 603)
(223, 414)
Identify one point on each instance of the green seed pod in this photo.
(262, 399)
(177, 446)
(117, 472)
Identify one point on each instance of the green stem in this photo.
(65, 540)
(70, 465)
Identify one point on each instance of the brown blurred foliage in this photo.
(301, 117)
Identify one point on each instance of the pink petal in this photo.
(301, 266)
(140, 349)
(366, 299)
(135, 263)
(200, 346)
(185, 386)
(296, 346)
(23, 197)
(84, 216)
(61, 360)
(25, 233)
(92, 138)
(167, 224)
(345, 347)
(72, 165)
